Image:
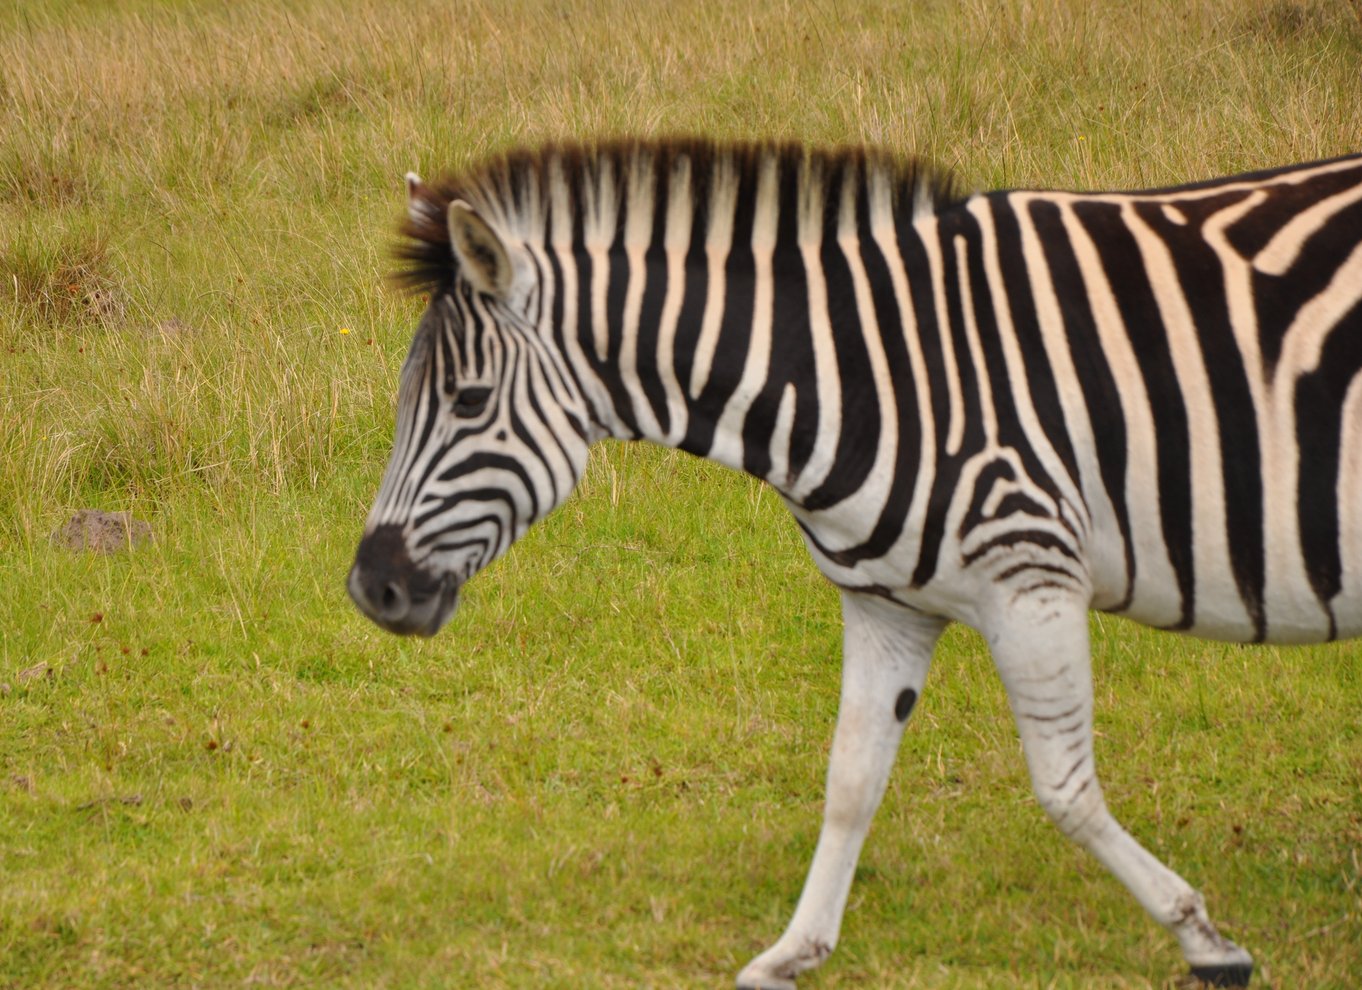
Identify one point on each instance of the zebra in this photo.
(1002, 409)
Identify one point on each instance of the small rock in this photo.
(105, 304)
(36, 672)
(132, 800)
(102, 532)
(174, 327)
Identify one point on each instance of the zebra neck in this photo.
(694, 293)
(731, 355)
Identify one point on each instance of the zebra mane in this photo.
(513, 190)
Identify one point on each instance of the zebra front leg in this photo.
(886, 651)
(1041, 651)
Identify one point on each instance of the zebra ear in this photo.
(420, 203)
(482, 257)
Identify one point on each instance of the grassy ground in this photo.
(608, 771)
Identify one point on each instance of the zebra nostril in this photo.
(396, 593)
(394, 602)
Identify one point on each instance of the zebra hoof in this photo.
(1231, 975)
(767, 983)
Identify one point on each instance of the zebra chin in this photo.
(395, 593)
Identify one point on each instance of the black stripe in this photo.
(735, 329)
(1278, 299)
(791, 356)
(1201, 277)
(889, 527)
(688, 323)
(515, 372)
(1282, 204)
(655, 287)
(946, 480)
(1319, 434)
(431, 387)
(1124, 268)
(988, 476)
(1040, 376)
(492, 496)
(998, 380)
(1033, 537)
(946, 469)
(616, 286)
(537, 376)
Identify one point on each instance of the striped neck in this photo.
(692, 289)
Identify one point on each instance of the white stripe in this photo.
(1286, 245)
(955, 423)
(1018, 383)
(1348, 603)
(680, 213)
(983, 385)
(1302, 349)
(828, 382)
(1155, 598)
(600, 214)
(1293, 178)
(779, 475)
(638, 234)
(1216, 609)
(1314, 321)
(1286, 587)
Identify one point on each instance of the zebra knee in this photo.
(1077, 808)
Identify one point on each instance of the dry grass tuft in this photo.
(69, 284)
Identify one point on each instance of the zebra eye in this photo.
(472, 400)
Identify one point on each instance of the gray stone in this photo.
(102, 532)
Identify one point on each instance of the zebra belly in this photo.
(1224, 621)
(1294, 615)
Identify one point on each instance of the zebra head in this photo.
(492, 429)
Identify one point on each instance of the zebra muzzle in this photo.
(394, 592)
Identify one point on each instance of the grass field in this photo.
(608, 771)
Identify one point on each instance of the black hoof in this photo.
(1234, 975)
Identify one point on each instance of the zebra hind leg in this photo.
(1041, 652)
(885, 655)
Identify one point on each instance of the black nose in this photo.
(390, 589)
(381, 596)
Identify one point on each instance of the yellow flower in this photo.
(344, 329)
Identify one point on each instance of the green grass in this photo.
(608, 771)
